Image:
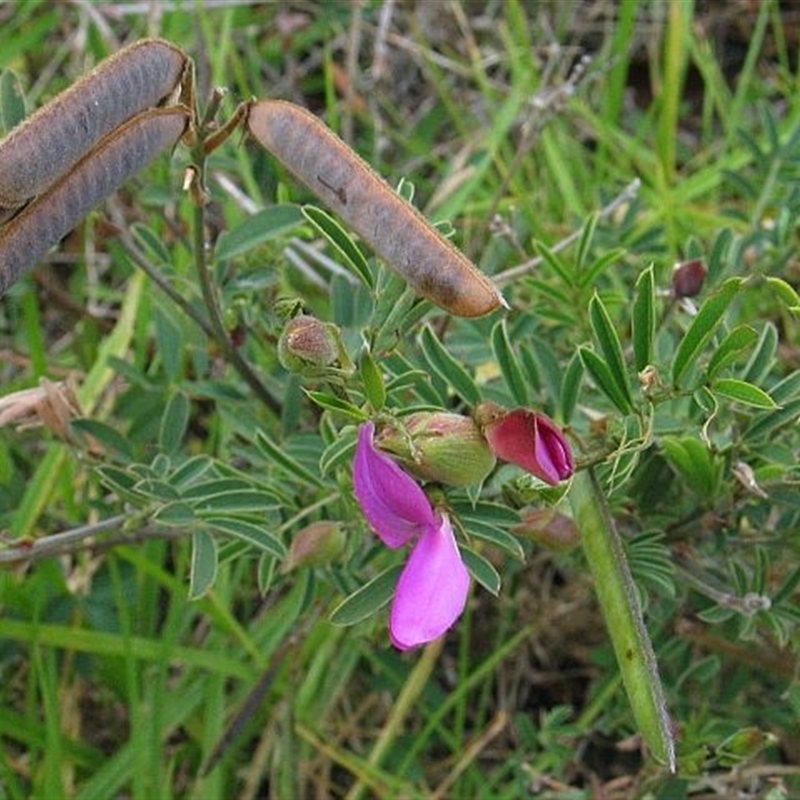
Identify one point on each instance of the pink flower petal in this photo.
(531, 441)
(393, 503)
(432, 590)
(553, 448)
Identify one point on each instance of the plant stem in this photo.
(103, 535)
(619, 602)
(220, 333)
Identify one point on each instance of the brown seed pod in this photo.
(49, 142)
(30, 234)
(391, 226)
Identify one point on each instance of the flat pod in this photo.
(43, 222)
(391, 226)
(48, 143)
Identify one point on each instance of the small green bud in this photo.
(308, 342)
(317, 543)
(743, 746)
(439, 446)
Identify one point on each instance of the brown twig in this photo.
(101, 535)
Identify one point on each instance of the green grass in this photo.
(174, 655)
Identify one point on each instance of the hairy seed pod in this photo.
(49, 142)
(391, 226)
(40, 225)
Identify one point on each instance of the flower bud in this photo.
(439, 446)
(688, 278)
(528, 439)
(649, 378)
(549, 528)
(317, 543)
(308, 342)
(743, 745)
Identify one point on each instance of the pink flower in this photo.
(528, 439)
(433, 587)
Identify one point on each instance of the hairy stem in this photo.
(204, 276)
(101, 535)
(619, 602)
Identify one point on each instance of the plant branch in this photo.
(206, 280)
(85, 537)
(220, 334)
(619, 602)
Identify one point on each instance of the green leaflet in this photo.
(743, 392)
(342, 241)
(256, 229)
(371, 597)
(509, 364)
(600, 371)
(204, 563)
(703, 326)
(644, 319)
(611, 348)
(447, 368)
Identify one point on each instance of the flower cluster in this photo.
(434, 584)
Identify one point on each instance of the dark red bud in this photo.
(688, 278)
(528, 439)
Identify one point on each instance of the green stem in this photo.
(616, 594)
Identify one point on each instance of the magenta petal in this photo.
(553, 449)
(394, 505)
(531, 441)
(432, 590)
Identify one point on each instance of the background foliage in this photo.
(579, 150)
